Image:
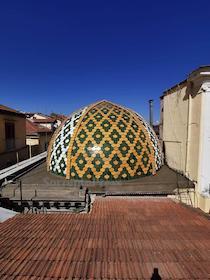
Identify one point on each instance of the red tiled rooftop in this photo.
(32, 128)
(47, 120)
(60, 117)
(119, 239)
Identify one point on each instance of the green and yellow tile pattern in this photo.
(108, 142)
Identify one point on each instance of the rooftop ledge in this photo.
(201, 71)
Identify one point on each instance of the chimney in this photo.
(151, 111)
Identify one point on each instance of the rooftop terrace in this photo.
(42, 190)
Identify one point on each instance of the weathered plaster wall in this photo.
(175, 119)
(193, 136)
(186, 134)
(20, 131)
(20, 151)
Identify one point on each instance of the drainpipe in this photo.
(188, 132)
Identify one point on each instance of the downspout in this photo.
(188, 133)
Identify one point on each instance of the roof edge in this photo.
(182, 83)
(167, 91)
(9, 111)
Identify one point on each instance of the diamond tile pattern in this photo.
(155, 143)
(105, 142)
(58, 153)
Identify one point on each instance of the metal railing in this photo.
(6, 172)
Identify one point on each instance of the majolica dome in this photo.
(104, 141)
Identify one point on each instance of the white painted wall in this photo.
(32, 141)
(204, 160)
(6, 214)
(47, 125)
(39, 117)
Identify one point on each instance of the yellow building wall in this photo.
(44, 140)
(20, 131)
(20, 152)
(175, 119)
(181, 130)
(181, 126)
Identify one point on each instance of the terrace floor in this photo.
(121, 238)
(164, 182)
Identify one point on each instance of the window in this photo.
(10, 135)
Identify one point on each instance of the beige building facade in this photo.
(37, 137)
(185, 132)
(12, 137)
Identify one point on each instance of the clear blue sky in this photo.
(61, 55)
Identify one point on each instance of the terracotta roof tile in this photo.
(60, 117)
(119, 239)
(47, 120)
(32, 128)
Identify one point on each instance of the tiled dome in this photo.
(104, 141)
